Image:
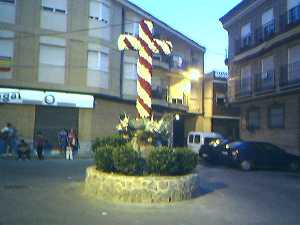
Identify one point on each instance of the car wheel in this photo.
(246, 165)
(294, 166)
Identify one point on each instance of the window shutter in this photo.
(130, 71)
(104, 61)
(246, 78)
(267, 64)
(55, 4)
(294, 55)
(6, 48)
(267, 17)
(105, 12)
(246, 30)
(52, 55)
(95, 9)
(93, 61)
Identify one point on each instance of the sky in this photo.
(199, 20)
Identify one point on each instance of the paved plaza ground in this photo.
(51, 192)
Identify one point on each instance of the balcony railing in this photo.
(264, 82)
(290, 75)
(265, 32)
(268, 31)
(160, 93)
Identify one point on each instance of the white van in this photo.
(196, 139)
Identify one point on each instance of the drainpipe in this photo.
(122, 55)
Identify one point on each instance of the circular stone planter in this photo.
(139, 189)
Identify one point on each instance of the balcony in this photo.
(290, 76)
(264, 33)
(160, 93)
(162, 61)
(243, 93)
(290, 19)
(264, 82)
(274, 82)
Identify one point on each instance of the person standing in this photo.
(63, 140)
(7, 135)
(73, 142)
(40, 143)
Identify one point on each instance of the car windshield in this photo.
(212, 141)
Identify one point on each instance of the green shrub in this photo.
(161, 161)
(128, 161)
(115, 140)
(186, 160)
(167, 161)
(104, 158)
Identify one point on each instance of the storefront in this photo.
(32, 111)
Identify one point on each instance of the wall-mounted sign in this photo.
(31, 97)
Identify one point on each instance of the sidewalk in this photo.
(49, 154)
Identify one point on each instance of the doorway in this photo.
(178, 132)
(50, 120)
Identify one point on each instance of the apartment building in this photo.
(264, 68)
(224, 118)
(60, 68)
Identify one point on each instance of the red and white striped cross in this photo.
(146, 46)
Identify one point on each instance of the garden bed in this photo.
(140, 189)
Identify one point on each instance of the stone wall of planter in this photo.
(139, 189)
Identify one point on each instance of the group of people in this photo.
(67, 139)
(68, 143)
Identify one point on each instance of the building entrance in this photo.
(51, 120)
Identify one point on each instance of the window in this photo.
(253, 119)
(98, 60)
(98, 66)
(197, 139)
(246, 79)
(294, 63)
(268, 23)
(177, 61)
(130, 78)
(293, 11)
(195, 90)
(55, 6)
(220, 99)
(53, 15)
(276, 116)
(8, 11)
(99, 12)
(246, 35)
(191, 138)
(130, 71)
(52, 60)
(6, 54)
(132, 24)
(8, 1)
(99, 16)
(267, 76)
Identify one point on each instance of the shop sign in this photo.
(32, 97)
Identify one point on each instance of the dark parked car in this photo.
(249, 155)
(213, 151)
